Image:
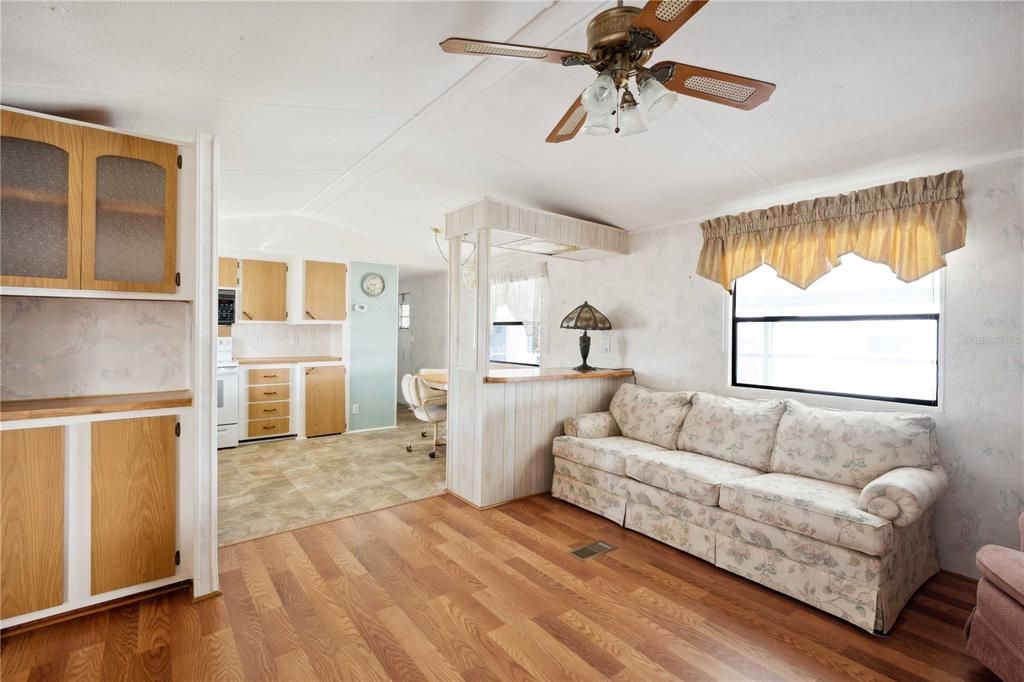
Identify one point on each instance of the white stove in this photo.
(227, 395)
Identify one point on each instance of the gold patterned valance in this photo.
(910, 226)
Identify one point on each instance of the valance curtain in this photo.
(909, 226)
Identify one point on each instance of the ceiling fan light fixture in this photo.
(599, 124)
(600, 96)
(656, 98)
(631, 119)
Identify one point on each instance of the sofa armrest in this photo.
(593, 425)
(1004, 567)
(902, 495)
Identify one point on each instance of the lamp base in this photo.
(585, 368)
(584, 352)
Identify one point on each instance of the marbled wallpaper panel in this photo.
(255, 340)
(54, 347)
(671, 326)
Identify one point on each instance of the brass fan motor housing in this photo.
(608, 40)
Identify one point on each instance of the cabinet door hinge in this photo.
(177, 279)
(177, 557)
(177, 429)
(179, 161)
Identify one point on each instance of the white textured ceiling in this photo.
(349, 115)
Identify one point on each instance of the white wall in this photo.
(671, 326)
(425, 343)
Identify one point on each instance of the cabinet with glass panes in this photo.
(85, 208)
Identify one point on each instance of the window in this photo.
(403, 311)
(512, 342)
(858, 331)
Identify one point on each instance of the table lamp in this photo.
(587, 318)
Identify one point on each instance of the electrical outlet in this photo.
(355, 408)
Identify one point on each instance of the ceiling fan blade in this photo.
(570, 123)
(659, 19)
(486, 48)
(714, 86)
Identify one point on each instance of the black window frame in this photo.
(515, 323)
(736, 321)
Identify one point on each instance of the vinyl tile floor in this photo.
(277, 486)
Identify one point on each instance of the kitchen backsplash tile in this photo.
(253, 340)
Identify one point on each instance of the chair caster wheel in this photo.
(432, 455)
(423, 434)
(408, 448)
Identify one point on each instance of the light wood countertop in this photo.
(286, 360)
(12, 410)
(525, 374)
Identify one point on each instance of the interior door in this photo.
(129, 213)
(134, 479)
(264, 287)
(325, 291)
(325, 400)
(40, 202)
(32, 520)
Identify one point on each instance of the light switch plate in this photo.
(359, 307)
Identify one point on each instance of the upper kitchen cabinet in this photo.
(227, 272)
(324, 286)
(40, 202)
(264, 287)
(129, 203)
(84, 208)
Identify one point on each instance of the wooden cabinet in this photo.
(264, 286)
(269, 393)
(134, 470)
(227, 272)
(86, 209)
(324, 287)
(274, 375)
(129, 213)
(32, 519)
(325, 400)
(40, 202)
(269, 402)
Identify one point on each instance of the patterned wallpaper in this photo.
(425, 343)
(54, 347)
(670, 325)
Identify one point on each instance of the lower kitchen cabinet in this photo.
(325, 400)
(32, 519)
(134, 470)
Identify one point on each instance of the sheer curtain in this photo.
(519, 292)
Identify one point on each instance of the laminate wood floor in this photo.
(437, 590)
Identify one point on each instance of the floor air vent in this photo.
(592, 550)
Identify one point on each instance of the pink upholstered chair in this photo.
(995, 630)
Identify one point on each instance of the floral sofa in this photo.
(832, 507)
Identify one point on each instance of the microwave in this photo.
(225, 306)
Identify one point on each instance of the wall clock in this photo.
(372, 284)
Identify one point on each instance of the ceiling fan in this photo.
(626, 94)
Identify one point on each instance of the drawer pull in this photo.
(269, 428)
(269, 376)
(269, 392)
(270, 409)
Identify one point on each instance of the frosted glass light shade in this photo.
(600, 97)
(598, 124)
(656, 98)
(631, 121)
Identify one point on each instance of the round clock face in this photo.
(373, 284)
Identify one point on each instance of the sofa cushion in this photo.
(693, 476)
(650, 416)
(739, 431)
(851, 447)
(818, 509)
(606, 454)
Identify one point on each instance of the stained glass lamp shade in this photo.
(587, 318)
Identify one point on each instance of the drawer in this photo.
(267, 427)
(274, 375)
(269, 393)
(267, 410)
